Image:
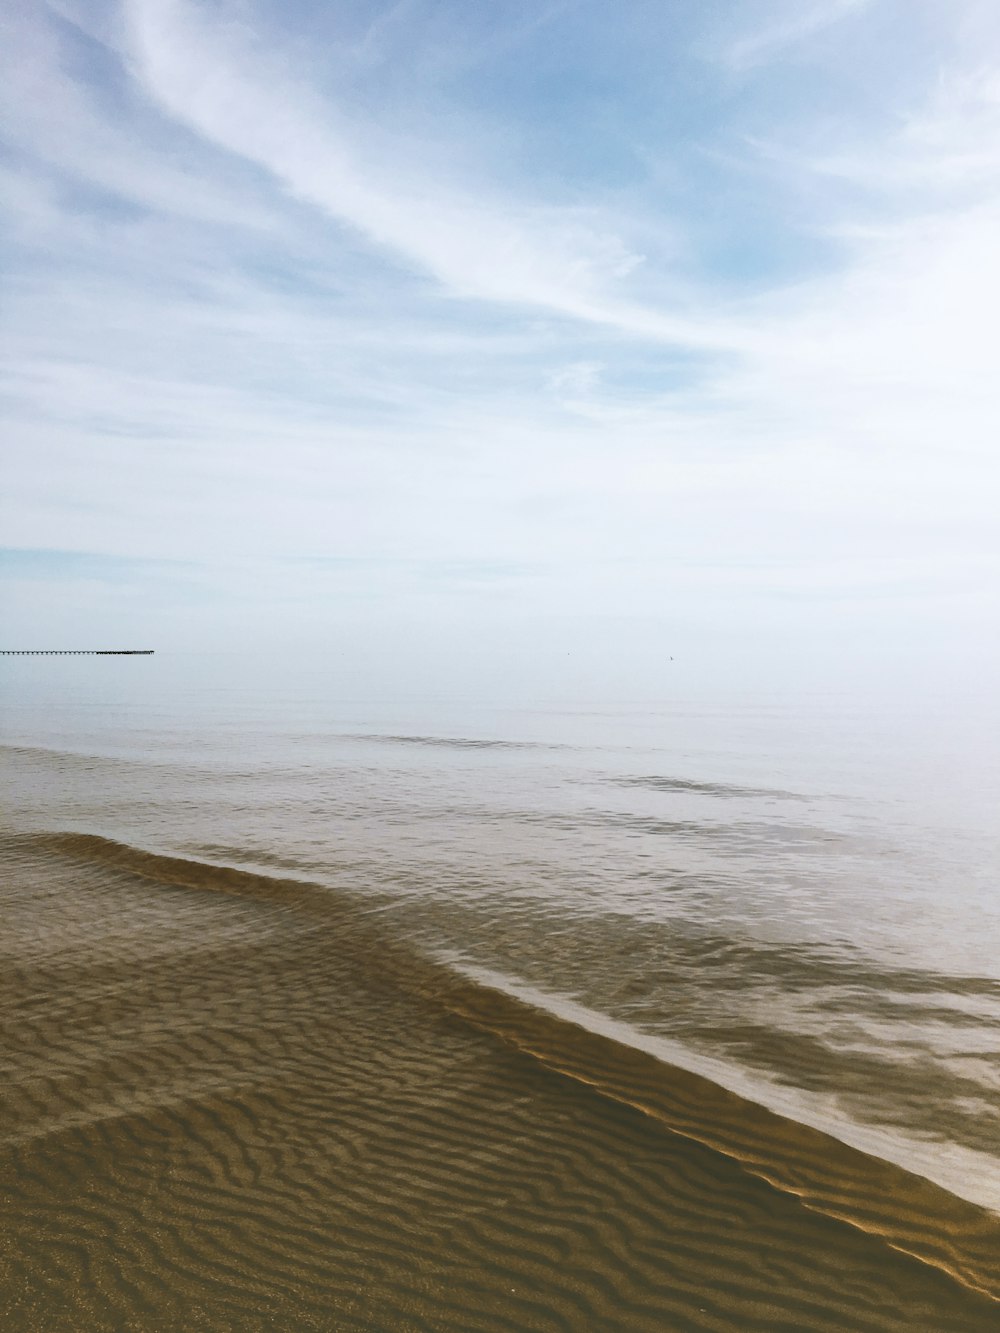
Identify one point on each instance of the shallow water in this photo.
(769, 926)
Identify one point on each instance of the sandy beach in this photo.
(229, 1104)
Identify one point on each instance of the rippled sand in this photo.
(232, 1103)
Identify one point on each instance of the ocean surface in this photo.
(683, 1014)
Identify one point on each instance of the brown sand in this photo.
(226, 1107)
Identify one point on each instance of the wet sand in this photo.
(238, 1104)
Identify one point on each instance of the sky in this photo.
(600, 347)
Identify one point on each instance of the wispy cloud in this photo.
(257, 308)
(787, 25)
(947, 150)
(221, 85)
(94, 136)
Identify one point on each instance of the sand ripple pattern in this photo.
(236, 1103)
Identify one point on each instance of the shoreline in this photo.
(247, 1115)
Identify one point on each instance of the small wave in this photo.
(451, 742)
(905, 1211)
(732, 837)
(723, 789)
(185, 871)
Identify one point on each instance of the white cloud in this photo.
(576, 380)
(790, 25)
(213, 80)
(55, 117)
(946, 152)
(185, 384)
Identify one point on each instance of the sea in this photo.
(714, 952)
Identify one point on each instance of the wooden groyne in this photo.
(77, 652)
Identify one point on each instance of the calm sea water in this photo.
(796, 896)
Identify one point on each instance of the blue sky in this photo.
(530, 323)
